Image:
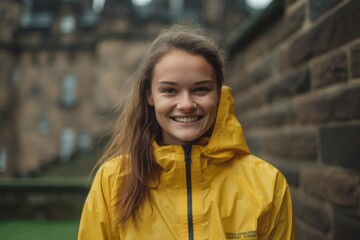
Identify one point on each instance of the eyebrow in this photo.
(175, 83)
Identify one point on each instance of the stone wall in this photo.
(297, 92)
(59, 91)
(9, 21)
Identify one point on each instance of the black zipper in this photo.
(187, 151)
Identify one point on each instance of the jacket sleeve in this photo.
(95, 220)
(282, 221)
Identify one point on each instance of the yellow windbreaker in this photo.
(216, 190)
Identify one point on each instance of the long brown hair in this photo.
(138, 127)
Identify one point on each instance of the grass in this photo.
(38, 230)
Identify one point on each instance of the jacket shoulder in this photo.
(263, 179)
(110, 173)
(97, 218)
(258, 165)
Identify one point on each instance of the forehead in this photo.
(184, 63)
(176, 54)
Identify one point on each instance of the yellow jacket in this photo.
(216, 190)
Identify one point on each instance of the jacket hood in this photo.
(227, 138)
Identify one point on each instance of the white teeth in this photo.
(186, 119)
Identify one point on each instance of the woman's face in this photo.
(185, 96)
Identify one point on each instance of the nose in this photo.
(186, 103)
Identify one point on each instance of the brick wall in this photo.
(41, 114)
(9, 20)
(297, 92)
(39, 127)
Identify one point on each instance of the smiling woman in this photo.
(178, 166)
(184, 94)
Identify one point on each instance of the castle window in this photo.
(15, 76)
(2, 14)
(84, 140)
(139, 2)
(68, 91)
(176, 7)
(43, 124)
(2, 159)
(98, 5)
(256, 4)
(67, 24)
(67, 141)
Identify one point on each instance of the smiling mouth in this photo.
(186, 119)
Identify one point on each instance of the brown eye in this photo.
(168, 91)
(202, 89)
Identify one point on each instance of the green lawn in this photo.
(38, 230)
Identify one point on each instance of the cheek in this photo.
(212, 111)
(162, 107)
(211, 105)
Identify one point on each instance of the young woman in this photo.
(178, 166)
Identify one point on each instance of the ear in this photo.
(149, 97)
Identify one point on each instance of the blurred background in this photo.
(293, 65)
